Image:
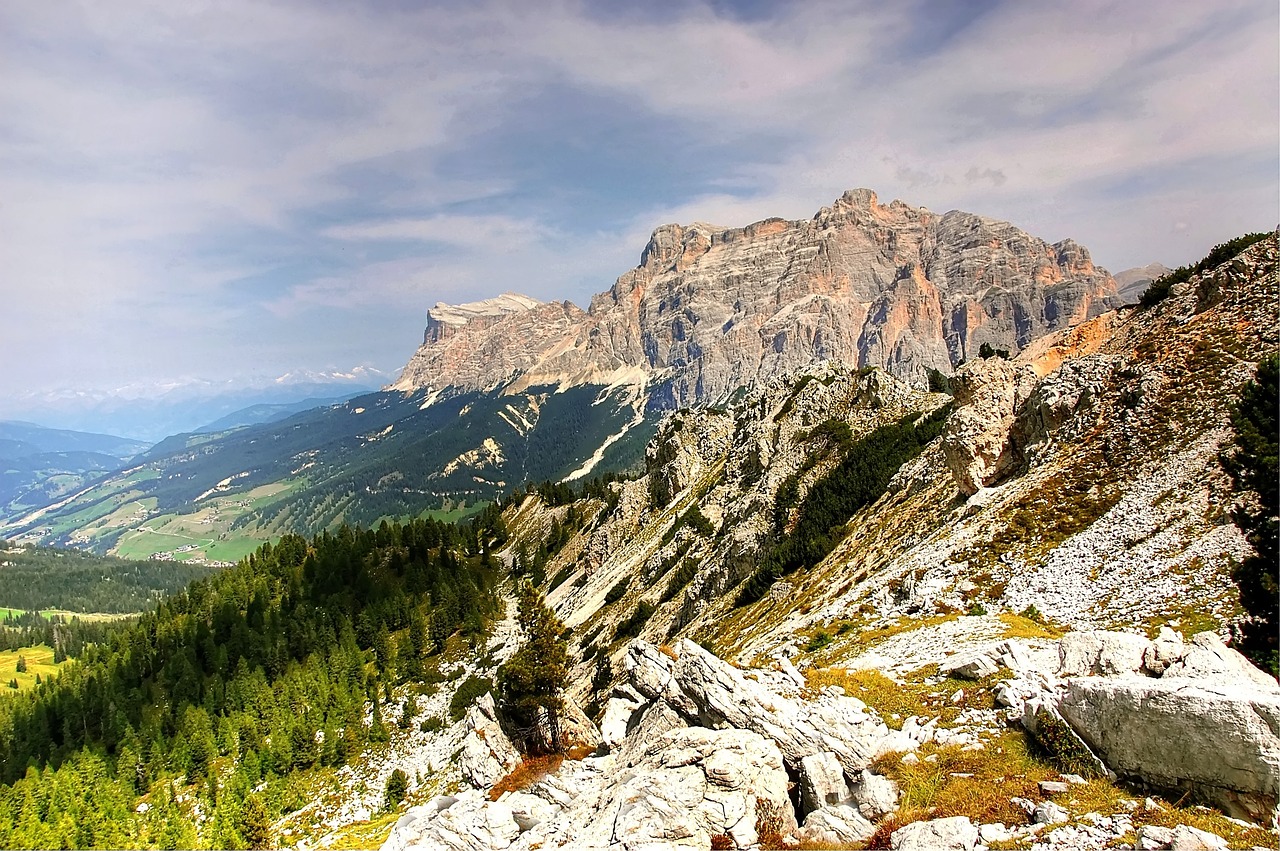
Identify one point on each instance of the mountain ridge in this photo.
(710, 309)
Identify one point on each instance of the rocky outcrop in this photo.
(708, 691)
(1228, 738)
(483, 344)
(989, 394)
(1126, 698)
(487, 754)
(710, 309)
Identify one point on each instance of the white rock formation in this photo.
(706, 690)
(710, 309)
(946, 834)
(487, 754)
(1227, 737)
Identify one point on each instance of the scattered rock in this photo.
(875, 796)
(1188, 838)
(1050, 813)
(969, 667)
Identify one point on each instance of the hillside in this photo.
(841, 612)
(215, 497)
(39, 465)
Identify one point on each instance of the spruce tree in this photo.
(255, 824)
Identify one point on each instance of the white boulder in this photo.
(1223, 741)
(487, 754)
(822, 782)
(1100, 652)
(835, 825)
(944, 834)
(874, 795)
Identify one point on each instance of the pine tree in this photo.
(1254, 465)
(255, 824)
(397, 788)
(22, 664)
(533, 679)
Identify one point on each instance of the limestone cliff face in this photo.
(711, 309)
(482, 344)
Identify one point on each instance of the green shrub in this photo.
(631, 627)
(467, 694)
(397, 788)
(820, 640)
(1159, 288)
(1062, 747)
(1252, 464)
(617, 592)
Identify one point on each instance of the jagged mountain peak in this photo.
(709, 309)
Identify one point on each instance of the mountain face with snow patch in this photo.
(711, 309)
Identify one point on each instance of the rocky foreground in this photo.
(693, 752)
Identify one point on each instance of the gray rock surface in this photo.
(487, 754)
(822, 782)
(835, 825)
(946, 834)
(711, 692)
(1187, 838)
(1100, 652)
(975, 444)
(875, 796)
(1227, 737)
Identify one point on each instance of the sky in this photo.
(235, 190)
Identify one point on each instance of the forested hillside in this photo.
(39, 578)
(245, 681)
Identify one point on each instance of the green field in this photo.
(39, 661)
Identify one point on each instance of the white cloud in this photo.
(176, 175)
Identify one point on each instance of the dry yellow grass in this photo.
(1016, 626)
(39, 660)
(889, 697)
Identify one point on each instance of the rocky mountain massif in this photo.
(1012, 638)
(710, 309)
(510, 390)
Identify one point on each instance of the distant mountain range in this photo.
(40, 465)
(151, 414)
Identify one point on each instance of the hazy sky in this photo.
(232, 189)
